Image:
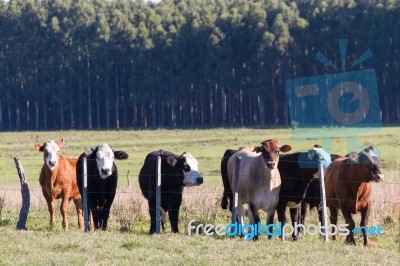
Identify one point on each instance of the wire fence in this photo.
(200, 202)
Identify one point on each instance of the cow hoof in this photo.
(351, 242)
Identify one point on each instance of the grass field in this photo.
(127, 242)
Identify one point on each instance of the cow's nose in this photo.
(53, 162)
(199, 180)
(270, 164)
(105, 171)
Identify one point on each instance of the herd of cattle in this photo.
(267, 180)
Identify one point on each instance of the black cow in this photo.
(176, 172)
(312, 198)
(102, 177)
(296, 171)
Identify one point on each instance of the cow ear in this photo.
(88, 153)
(39, 147)
(171, 160)
(120, 155)
(61, 143)
(285, 148)
(257, 149)
(352, 157)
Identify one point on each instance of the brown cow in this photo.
(348, 188)
(259, 179)
(58, 180)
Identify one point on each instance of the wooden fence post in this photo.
(26, 197)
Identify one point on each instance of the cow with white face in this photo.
(58, 181)
(102, 177)
(104, 160)
(50, 152)
(176, 173)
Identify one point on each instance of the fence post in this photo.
(235, 189)
(158, 196)
(323, 198)
(85, 205)
(26, 197)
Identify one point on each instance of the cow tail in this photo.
(227, 196)
(163, 219)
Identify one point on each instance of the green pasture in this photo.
(207, 145)
(127, 242)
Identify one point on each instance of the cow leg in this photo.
(51, 207)
(107, 209)
(105, 214)
(303, 212)
(79, 211)
(174, 217)
(64, 210)
(255, 220)
(153, 214)
(96, 218)
(294, 216)
(281, 210)
(270, 222)
(91, 221)
(95, 211)
(333, 219)
(348, 217)
(364, 223)
(163, 219)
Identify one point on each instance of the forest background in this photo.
(124, 64)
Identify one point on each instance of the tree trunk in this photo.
(36, 116)
(1, 118)
(89, 92)
(97, 109)
(107, 103)
(61, 116)
(116, 97)
(18, 115)
(9, 117)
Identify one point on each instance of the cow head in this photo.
(190, 170)
(50, 151)
(105, 156)
(270, 150)
(367, 162)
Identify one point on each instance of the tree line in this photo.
(111, 64)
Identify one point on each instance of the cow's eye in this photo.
(373, 168)
(186, 168)
(277, 152)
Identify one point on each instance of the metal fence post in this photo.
(158, 196)
(85, 205)
(235, 189)
(323, 199)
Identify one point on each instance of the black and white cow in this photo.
(102, 177)
(176, 172)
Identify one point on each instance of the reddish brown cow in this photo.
(58, 180)
(348, 188)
